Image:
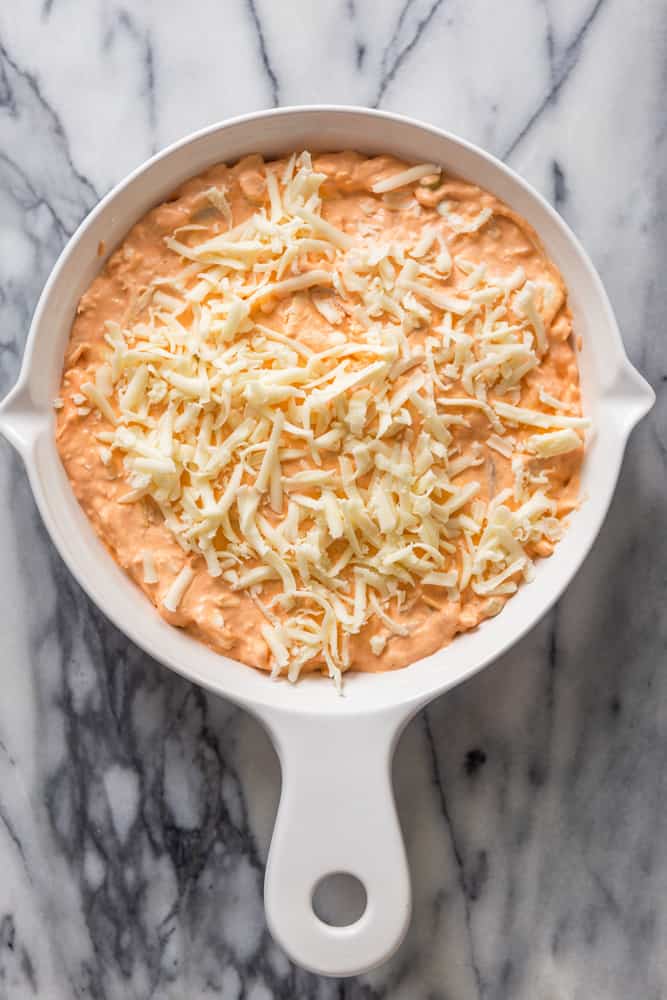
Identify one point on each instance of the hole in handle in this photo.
(339, 899)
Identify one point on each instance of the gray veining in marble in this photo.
(135, 810)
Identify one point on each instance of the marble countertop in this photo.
(135, 810)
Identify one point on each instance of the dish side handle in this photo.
(337, 815)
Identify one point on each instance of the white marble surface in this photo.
(135, 811)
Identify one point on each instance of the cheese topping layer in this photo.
(325, 412)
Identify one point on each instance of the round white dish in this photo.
(336, 809)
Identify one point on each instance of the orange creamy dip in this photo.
(211, 610)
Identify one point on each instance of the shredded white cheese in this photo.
(150, 572)
(176, 591)
(405, 177)
(554, 443)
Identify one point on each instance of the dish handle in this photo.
(337, 815)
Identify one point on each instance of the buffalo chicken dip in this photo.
(325, 410)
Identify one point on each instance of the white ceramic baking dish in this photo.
(336, 809)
